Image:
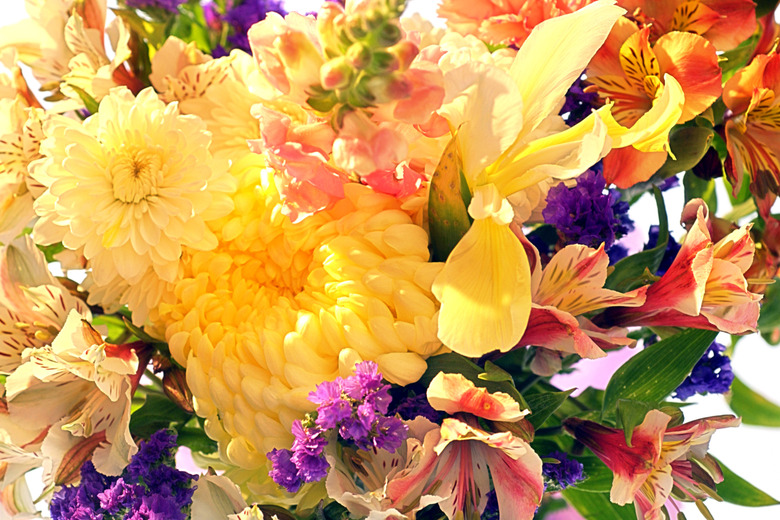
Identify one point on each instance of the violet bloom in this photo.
(564, 473)
(168, 5)
(241, 16)
(711, 375)
(578, 104)
(587, 213)
(150, 488)
(284, 472)
(672, 248)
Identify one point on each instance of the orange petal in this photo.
(638, 60)
(453, 393)
(627, 166)
(694, 64)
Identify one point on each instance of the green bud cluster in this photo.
(365, 60)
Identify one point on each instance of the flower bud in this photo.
(389, 34)
(175, 387)
(405, 51)
(384, 61)
(390, 87)
(358, 55)
(336, 74)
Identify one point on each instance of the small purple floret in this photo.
(587, 213)
(711, 375)
(565, 473)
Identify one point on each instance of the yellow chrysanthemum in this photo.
(129, 188)
(279, 307)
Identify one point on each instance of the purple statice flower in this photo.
(587, 213)
(672, 248)
(669, 183)
(283, 470)
(491, 508)
(711, 375)
(168, 5)
(244, 14)
(578, 104)
(356, 409)
(563, 474)
(150, 488)
(411, 407)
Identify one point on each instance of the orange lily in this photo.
(634, 75)
(753, 129)
(660, 461)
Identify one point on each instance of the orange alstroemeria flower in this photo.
(753, 129)
(507, 22)
(571, 285)
(659, 462)
(632, 74)
(725, 23)
(704, 288)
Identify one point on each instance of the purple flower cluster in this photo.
(711, 375)
(150, 488)
(356, 409)
(240, 15)
(564, 473)
(409, 408)
(168, 5)
(587, 213)
(578, 104)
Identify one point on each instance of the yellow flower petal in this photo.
(555, 54)
(485, 286)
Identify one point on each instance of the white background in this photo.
(750, 451)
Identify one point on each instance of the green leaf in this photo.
(139, 332)
(51, 250)
(453, 363)
(114, 324)
(770, 308)
(752, 406)
(544, 405)
(736, 490)
(598, 475)
(658, 370)
(688, 144)
(630, 272)
(596, 506)
(448, 201)
(734, 59)
(630, 414)
(89, 102)
(696, 187)
(494, 372)
(157, 412)
(196, 440)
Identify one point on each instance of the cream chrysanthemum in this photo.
(130, 187)
(279, 307)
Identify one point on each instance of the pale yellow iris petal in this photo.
(560, 155)
(483, 104)
(651, 132)
(555, 54)
(484, 288)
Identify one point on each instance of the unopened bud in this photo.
(405, 51)
(69, 469)
(336, 74)
(389, 87)
(177, 390)
(384, 61)
(389, 35)
(358, 55)
(522, 429)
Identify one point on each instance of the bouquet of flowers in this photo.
(347, 257)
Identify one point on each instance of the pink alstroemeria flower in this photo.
(660, 461)
(571, 285)
(467, 452)
(705, 287)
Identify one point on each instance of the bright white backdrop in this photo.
(750, 451)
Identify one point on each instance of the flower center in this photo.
(135, 174)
